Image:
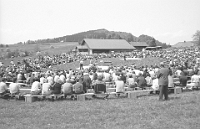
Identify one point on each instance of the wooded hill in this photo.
(101, 34)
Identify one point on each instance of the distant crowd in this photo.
(182, 64)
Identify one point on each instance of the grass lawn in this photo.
(115, 62)
(182, 111)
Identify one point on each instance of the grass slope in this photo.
(145, 113)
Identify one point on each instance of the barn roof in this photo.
(82, 47)
(139, 44)
(185, 44)
(107, 44)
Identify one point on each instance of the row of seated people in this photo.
(78, 86)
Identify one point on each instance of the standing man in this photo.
(81, 64)
(162, 76)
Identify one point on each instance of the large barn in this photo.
(91, 46)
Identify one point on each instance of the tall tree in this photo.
(196, 37)
(152, 43)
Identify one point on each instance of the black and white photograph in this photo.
(99, 64)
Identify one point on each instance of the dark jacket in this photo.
(87, 80)
(141, 81)
(163, 76)
(56, 89)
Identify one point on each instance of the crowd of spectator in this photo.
(182, 63)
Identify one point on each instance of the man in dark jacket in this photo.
(86, 81)
(163, 81)
(141, 81)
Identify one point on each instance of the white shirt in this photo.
(35, 86)
(46, 88)
(50, 79)
(14, 88)
(170, 81)
(42, 80)
(155, 85)
(3, 87)
(195, 78)
(56, 78)
(62, 78)
(119, 86)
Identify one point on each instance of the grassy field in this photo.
(42, 47)
(58, 48)
(115, 62)
(180, 112)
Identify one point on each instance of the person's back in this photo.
(50, 80)
(46, 88)
(3, 87)
(14, 88)
(42, 80)
(78, 88)
(35, 88)
(119, 85)
(170, 81)
(163, 76)
(107, 77)
(155, 85)
(148, 80)
(67, 88)
(56, 78)
(87, 80)
(195, 78)
(62, 78)
(131, 82)
(141, 81)
(56, 89)
(183, 80)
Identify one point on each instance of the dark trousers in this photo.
(163, 91)
(81, 66)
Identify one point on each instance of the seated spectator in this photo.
(131, 82)
(20, 77)
(62, 78)
(72, 80)
(107, 76)
(141, 82)
(148, 80)
(56, 89)
(119, 85)
(99, 85)
(78, 87)
(42, 79)
(14, 87)
(50, 79)
(195, 82)
(46, 87)
(56, 77)
(155, 85)
(36, 87)
(183, 79)
(86, 81)
(67, 88)
(170, 79)
(3, 87)
(122, 77)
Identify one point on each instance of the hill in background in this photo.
(99, 34)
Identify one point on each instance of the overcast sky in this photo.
(168, 21)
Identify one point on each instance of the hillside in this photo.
(99, 34)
